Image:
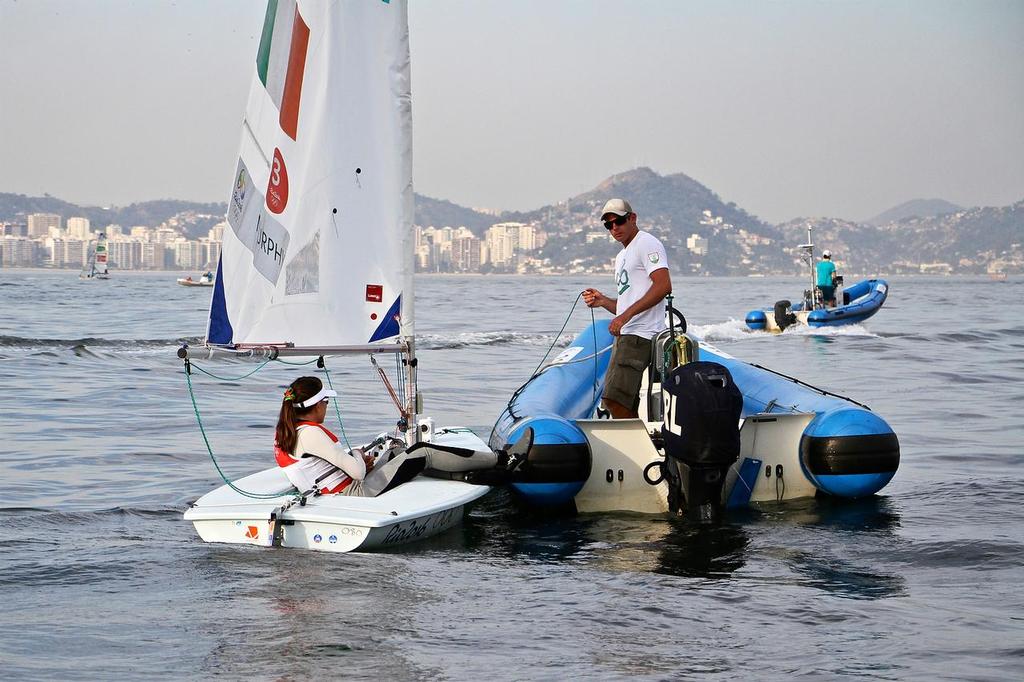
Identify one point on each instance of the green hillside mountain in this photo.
(915, 208)
(723, 238)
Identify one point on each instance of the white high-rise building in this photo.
(216, 233)
(697, 244)
(78, 228)
(501, 244)
(18, 252)
(39, 224)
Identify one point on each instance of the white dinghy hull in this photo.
(416, 510)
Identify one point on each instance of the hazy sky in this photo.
(788, 108)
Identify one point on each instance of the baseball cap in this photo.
(619, 207)
(826, 253)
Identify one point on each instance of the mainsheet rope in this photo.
(537, 371)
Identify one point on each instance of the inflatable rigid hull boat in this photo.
(793, 440)
(860, 301)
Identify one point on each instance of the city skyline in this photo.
(788, 109)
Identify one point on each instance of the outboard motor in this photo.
(702, 437)
(784, 314)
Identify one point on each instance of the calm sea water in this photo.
(102, 579)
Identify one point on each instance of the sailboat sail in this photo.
(99, 267)
(319, 250)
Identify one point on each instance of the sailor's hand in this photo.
(616, 324)
(593, 298)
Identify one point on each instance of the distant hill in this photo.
(152, 213)
(441, 213)
(149, 213)
(673, 207)
(915, 208)
(856, 247)
(983, 233)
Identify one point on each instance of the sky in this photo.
(787, 108)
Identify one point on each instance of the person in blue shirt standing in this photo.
(826, 276)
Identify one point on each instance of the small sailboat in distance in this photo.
(96, 262)
(318, 261)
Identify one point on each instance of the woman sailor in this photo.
(312, 458)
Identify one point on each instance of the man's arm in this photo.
(661, 286)
(595, 299)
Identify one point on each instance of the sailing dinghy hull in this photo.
(416, 510)
(413, 511)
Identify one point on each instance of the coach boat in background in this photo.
(860, 301)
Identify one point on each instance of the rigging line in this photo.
(400, 374)
(391, 390)
(585, 358)
(296, 364)
(593, 328)
(537, 371)
(804, 383)
(559, 334)
(220, 378)
(337, 411)
(209, 449)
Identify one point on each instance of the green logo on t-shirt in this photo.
(623, 281)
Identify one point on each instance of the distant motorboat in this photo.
(997, 276)
(859, 302)
(206, 280)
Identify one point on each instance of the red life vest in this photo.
(307, 472)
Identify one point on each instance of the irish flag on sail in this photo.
(281, 60)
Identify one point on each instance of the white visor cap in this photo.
(324, 393)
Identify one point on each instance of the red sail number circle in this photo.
(277, 188)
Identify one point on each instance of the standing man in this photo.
(825, 278)
(642, 282)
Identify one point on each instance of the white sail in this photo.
(319, 250)
(100, 262)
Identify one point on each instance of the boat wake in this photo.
(735, 330)
(473, 339)
(93, 342)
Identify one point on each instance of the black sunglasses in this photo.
(620, 221)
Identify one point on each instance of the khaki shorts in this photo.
(631, 356)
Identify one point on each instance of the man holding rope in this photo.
(642, 281)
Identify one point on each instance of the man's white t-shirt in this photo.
(633, 268)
